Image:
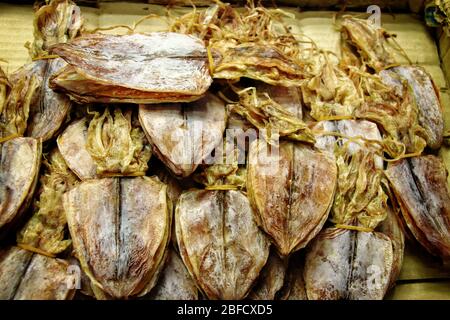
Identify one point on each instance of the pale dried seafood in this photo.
(219, 242)
(25, 275)
(49, 112)
(391, 227)
(72, 145)
(330, 93)
(32, 108)
(116, 144)
(23, 94)
(106, 145)
(175, 282)
(120, 229)
(271, 279)
(291, 188)
(420, 184)
(131, 68)
(270, 117)
(347, 264)
(287, 97)
(227, 168)
(370, 41)
(47, 227)
(426, 97)
(252, 43)
(57, 22)
(184, 135)
(19, 170)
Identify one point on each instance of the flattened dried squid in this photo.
(132, 68)
(219, 241)
(175, 282)
(19, 170)
(120, 230)
(292, 188)
(183, 135)
(420, 184)
(28, 276)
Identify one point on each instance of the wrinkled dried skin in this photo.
(117, 145)
(287, 97)
(270, 117)
(175, 282)
(23, 95)
(327, 267)
(59, 21)
(13, 265)
(72, 145)
(182, 136)
(220, 242)
(420, 184)
(427, 100)
(28, 276)
(270, 279)
(255, 61)
(47, 227)
(49, 113)
(360, 128)
(167, 72)
(120, 229)
(325, 143)
(19, 169)
(292, 192)
(344, 264)
(33, 108)
(371, 266)
(370, 42)
(392, 228)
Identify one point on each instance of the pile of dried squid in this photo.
(232, 160)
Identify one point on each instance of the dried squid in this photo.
(420, 184)
(219, 242)
(25, 275)
(253, 43)
(183, 135)
(426, 97)
(120, 230)
(109, 145)
(370, 41)
(351, 260)
(24, 89)
(271, 279)
(138, 68)
(45, 230)
(57, 22)
(270, 117)
(19, 170)
(291, 188)
(32, 108)
(175, 282)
